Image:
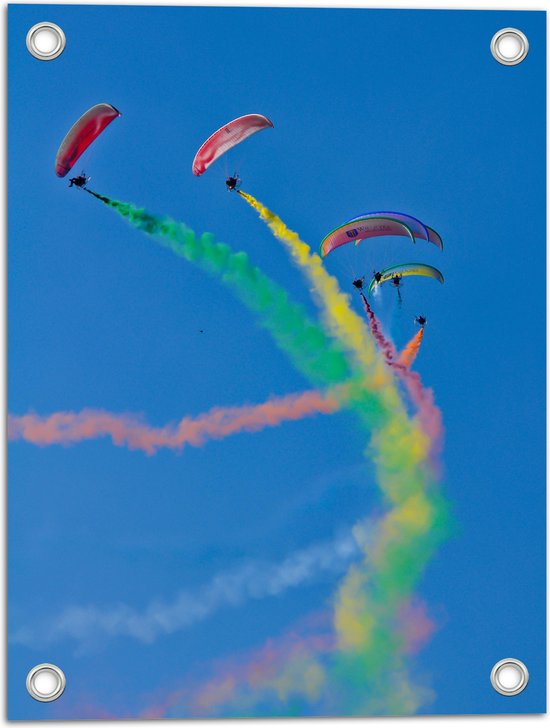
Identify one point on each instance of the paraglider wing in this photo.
(82, 134)
(227, 137)
(407, 269)
(362, 228)
(421, 231)
(434, 237)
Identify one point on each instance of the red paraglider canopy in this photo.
(82, 134)
(228, 136)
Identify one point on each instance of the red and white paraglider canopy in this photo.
(227, 137)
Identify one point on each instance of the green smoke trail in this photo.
(322, 361)
(369, 598)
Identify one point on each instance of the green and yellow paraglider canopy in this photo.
(406, 269)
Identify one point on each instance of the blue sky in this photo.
(373, 110)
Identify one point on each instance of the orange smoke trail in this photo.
(422, 397)
(66, 428)
(408, 355)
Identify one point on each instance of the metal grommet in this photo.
(46, 682)
(46, 41)
(509, 46)
(509, 676)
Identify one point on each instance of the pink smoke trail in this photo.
(429, 413)
(422, 397)
(66, 428)
(416, 626)
(239, 681)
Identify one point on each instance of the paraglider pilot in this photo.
(358, 283)
(79, 181)
(232, 183)
(396, 280)
(421, 321)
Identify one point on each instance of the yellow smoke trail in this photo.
(369, 598)
(343, 322)
(399, 434)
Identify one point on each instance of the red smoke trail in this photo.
(385, 345)
(409, 353)
(422, 398)
(65, 428)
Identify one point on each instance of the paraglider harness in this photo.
(80, 181)
(396, 280)
(233, 183)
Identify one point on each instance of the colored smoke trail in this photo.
(286, 673)
(422, 397)
(288, 668)
(343, 322)
(385, 345)
(409, 353)
(246, 583)
(66, 428)
(428, 412)
(350, 330)
(370, 654)
(310, 349)
(368, 599)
